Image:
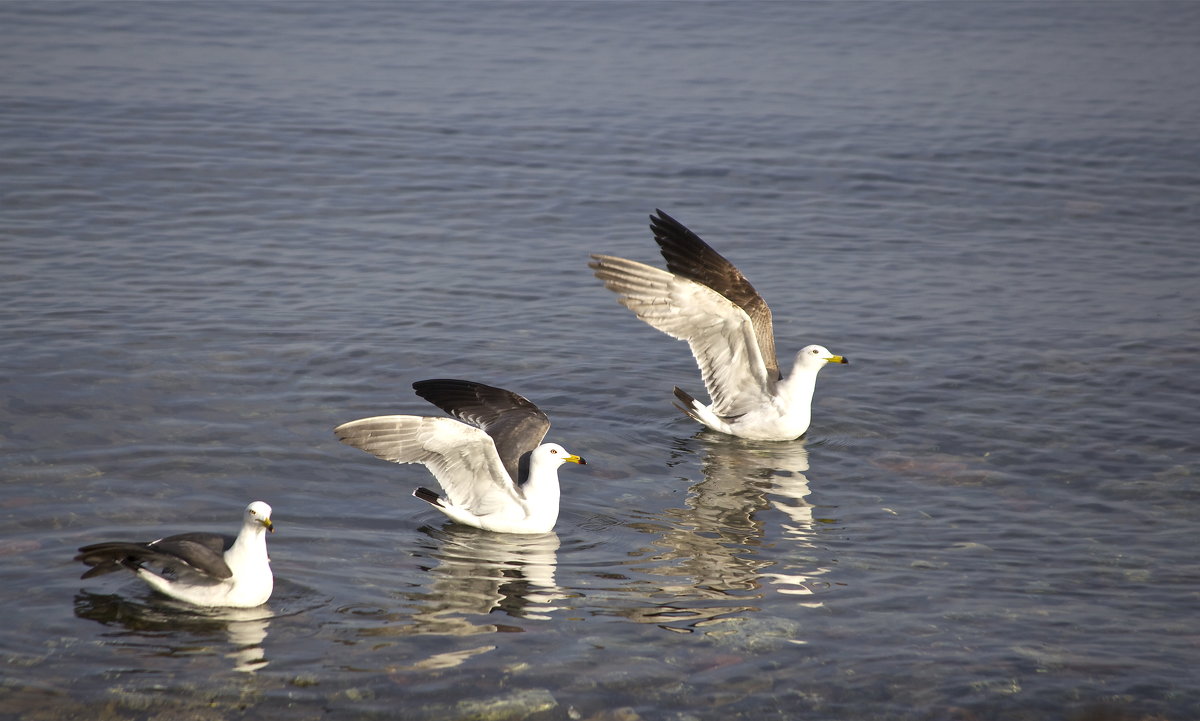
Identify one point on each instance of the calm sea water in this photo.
(228, 228)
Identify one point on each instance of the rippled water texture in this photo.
(228, 228)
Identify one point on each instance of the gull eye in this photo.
(554, 452)
(814, 352)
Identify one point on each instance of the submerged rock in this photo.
(507, 707)
(755, 634)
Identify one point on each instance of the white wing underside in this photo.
(720, 334)
(462, 458)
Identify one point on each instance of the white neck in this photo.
(541, 488)
(249, 548)
(798, 386)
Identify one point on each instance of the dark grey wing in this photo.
(109, 557)
(515, 425)
(204, 552)
(200, 552)
(689, 256)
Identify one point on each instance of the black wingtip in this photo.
(449, 393)
(662, 222)
(102, 559)
(689, 404)
(433, 384)
(428, 496)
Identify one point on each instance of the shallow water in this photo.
(228, 228)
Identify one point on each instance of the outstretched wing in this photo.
(718, 331)
(689, 256)
(202, 553)
(462, 458)
(515, 424)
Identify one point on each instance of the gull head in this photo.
(814, 357)
(554, 455)
(259, 514)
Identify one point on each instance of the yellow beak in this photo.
(267, 523)
(838, 359)
(576, 459)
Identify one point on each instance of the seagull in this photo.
(494, 473)
(703, 299)
(204, 569)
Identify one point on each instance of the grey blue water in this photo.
(228, 227)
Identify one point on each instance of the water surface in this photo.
(228, 228)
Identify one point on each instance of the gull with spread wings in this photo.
(488, 462)
(703, 299)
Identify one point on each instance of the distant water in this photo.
(229, 227)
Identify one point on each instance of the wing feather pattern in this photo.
(690, 257)
(516, 425)
(719, 332)
(462, 458)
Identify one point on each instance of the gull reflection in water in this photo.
(477, 572)
(179, 627)
(472, 575)
(725, 545)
